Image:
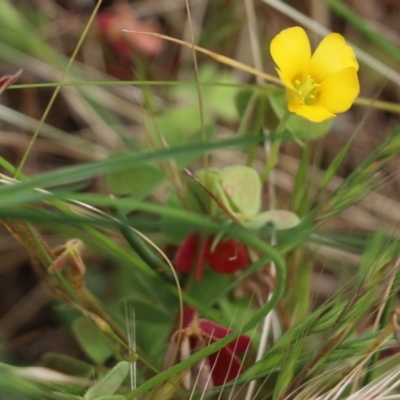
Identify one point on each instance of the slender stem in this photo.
(274, 150)
(199, 94)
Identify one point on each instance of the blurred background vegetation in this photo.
(125, 93)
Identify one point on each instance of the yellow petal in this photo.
(332, 55)
(285, 80)
(294, 97)
(290, 49)
(338, 92)
(314, 113)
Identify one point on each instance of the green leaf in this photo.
(67, 365)
(21, 192)
(276, 219)
(242, 186)
(167, 389)
(211, 286)
(148, 312)
(196, 201)
(253, 106)
(110, 383)
(255, 110)
(301, 191)
(243, 99)
(152, 338)
(285, 377)
(94, 343)
(218, 99)
(331, 171)
(114, 397)
(210, 178)
(15, 387)
(66, 396)
(138, 180)
(176, 126)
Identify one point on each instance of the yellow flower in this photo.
(320, 85)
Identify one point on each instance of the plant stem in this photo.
(274, 150)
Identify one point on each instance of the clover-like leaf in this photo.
(242, 186)
(276, 219)
(93, 342)
(238, 189)
(109, 384)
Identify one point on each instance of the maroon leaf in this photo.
(7, 80)
(228, 256)
(199, 333)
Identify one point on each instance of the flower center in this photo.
(307, 88)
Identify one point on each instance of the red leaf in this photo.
(228, 256)
(186, 254)
(204, 249)
(189, 315)
(7, 80)
(199, 333)
(192, 251)
(224, 366)
(216, 331)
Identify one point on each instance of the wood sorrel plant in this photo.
(317, 89)
(225, 238)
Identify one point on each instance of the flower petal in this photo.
(332, 55)
(338, 91)
(285, 79)
(314, 113)
(224, 366)
(291, 52)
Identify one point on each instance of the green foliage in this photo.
(109, 384)
(155, 206)
(139, 181)
(95, 344)
(217, 99)
(68, 365)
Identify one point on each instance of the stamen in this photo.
(307, 89)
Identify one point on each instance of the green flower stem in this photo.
(276, 144)
(272, 160)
